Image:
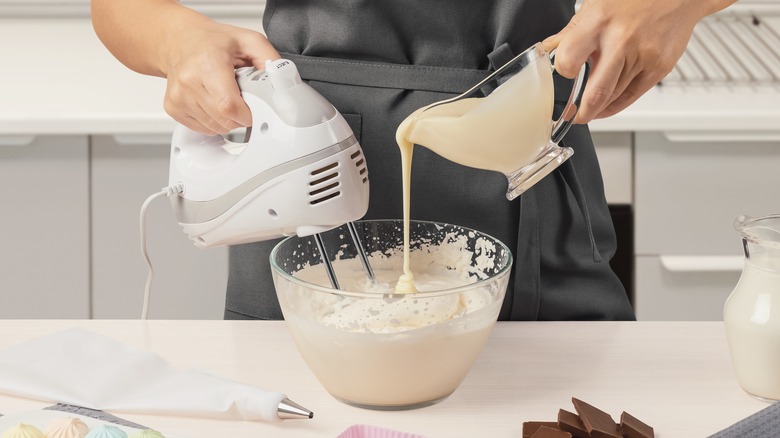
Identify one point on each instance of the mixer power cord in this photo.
(169, 191)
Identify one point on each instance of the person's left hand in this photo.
(633, 44)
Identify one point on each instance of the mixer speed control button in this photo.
(282, 73)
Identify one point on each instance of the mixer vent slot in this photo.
(360, 163)
(324, 178)
(324, 198)
(323, 189)
(324, 169)
(326, 185)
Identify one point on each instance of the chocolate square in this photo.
(530, 427)
(632, 427)
(598, 423)
(549, 432)
(570, 422)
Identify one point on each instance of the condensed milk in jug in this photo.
(504, 123)
(752, 311)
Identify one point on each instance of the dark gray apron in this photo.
(378, 61)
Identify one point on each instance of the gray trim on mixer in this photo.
(192, 212)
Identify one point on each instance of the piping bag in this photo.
(82, 368)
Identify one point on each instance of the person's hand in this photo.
(633, 44)
(201, 92)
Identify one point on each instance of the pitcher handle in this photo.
(561, 126)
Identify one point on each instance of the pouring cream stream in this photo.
(503, 132)
(406, 281)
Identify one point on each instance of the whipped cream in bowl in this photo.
(373, 347)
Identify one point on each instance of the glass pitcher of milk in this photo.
(752, 311)
(504, 123)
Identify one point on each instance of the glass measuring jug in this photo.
(504, 123)
(752, 311)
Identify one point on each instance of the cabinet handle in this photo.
(702, 263)
(720, 137)
(16, 140)
(142, 139)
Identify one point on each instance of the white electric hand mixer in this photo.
(300, 170)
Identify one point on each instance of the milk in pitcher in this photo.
(753, 327)
(751, 314)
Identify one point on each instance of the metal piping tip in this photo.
(288, 409)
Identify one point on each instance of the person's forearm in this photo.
(139, 32)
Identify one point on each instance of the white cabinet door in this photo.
(189, 282)
(44, 227)
(615, 153)
(689, 189)
(690, 288)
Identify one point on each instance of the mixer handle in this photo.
(561, 126)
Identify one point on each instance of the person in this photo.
(377, 62)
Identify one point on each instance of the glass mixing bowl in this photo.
(372, 348)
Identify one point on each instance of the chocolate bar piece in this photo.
(549, 432)
(634, 428)
(598, 423)
(570, 422)
(530, 427)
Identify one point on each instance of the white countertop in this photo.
(676, 376)
(57, 78)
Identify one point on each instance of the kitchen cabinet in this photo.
(70, 245)
(684, 288)
(615, 151)
(689, 188)
(189, 282)
(44, 227)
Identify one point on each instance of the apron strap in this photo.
(500, 56)
(386, 75)
(527, 278)
(528, 275)
(570, 177)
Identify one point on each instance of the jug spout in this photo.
(760, 240)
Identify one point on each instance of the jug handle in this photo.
(561, 126)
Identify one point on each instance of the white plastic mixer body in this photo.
(301, 170)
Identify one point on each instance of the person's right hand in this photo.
(202, 92)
